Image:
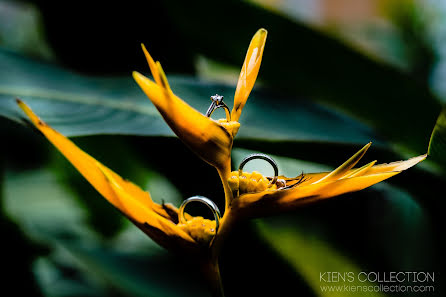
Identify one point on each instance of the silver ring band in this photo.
(208, 202)
(262, 157)
(217, 102)
(214, 106)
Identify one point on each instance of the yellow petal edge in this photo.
(130, 199)
(204, 136)
(249, 72)
(323, 185)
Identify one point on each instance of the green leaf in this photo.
(50, 276)
(379, 229)
(437, 144)
(21, 30)
(77, 105)
(41, 206)
(302, 60)
(131, 263)
(315, 260)
(160, 275)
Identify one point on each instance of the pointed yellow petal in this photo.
(163, 79)
(267, 202)
(359, 171)
(337, 187)
(397, 166)
(308, 178)
(152, 65)
(367, 169)
(344, 168)
(91, 169)
(248, 74)
(204, 136)
(141, 214)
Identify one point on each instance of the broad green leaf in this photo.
(50, 276)
(78, 105)
(384, 227)
(50, 214)
(304, 61)
(315, 260)
(374, 230)
(19, 255)
(21, 29)
(41, 206)
(437, 145)
(160, 275)
(378, 229)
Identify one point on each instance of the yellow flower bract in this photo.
(249, 194)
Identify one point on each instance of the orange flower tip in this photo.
(146, 84)
(346, 166)
(164, 81)
(262, 33)
(364, 149)
(148, 56)
(411, 162)
(260, 38)
(139, 78)
(20, 103)
(146, 53)
(136, 75)
(34, 118)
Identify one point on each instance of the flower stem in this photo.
(224, 173)
(210, 267)
(211, 271)
(228, 218)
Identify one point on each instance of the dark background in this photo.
(383, 77)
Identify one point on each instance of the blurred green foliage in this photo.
(437, 143)
(320, 101)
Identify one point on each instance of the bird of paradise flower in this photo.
(247, 195)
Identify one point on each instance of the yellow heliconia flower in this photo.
(257, 195)
(211, 139)
(246, 194)
(160, 222)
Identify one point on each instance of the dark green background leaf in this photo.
(437, 145)
(77, 105)
(378, 229)
(321, 101)
(303, 61)
(131, 263)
